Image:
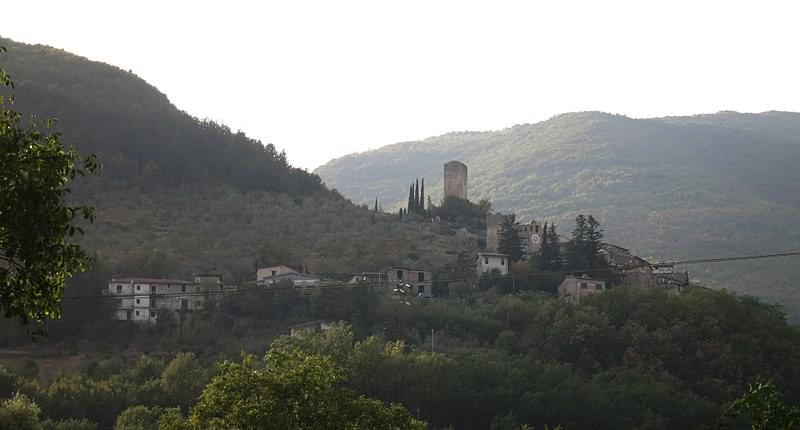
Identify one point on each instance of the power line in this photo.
(266, 289)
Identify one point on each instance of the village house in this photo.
(420, 280)
(142, 299)
(629, 269)
(266, 272)
(268, 276)
(635, 271)
(309, 327)
(574, 288)
(487, 262)
(371, 278)
(665, 277)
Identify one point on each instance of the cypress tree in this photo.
(422, 198)
(376, 204)
(544, 255)
(410, 205)
(416, 197)
(554, 248)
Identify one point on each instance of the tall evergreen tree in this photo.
(410, 205)
(509, 241)
(422, 198)
(594, 242)
(544, 253)
(376, 204)
(577, 245)
(554, 247)
(416, 197)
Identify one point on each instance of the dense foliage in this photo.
(463, 212)
(36, 255)
(669, 188)
(584, 245)
(623, 359)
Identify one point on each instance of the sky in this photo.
(322, 79)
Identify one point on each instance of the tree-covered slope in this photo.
(139, 135)
(669, 188)
(178, 195)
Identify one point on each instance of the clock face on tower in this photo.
(535, 238)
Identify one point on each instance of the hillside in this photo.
(669, 188)
(179, 195)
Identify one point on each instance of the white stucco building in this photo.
(486, 262)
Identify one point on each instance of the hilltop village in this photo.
(581, 266)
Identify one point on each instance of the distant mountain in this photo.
(669, 188)
(179, 195)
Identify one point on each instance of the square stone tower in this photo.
(455, 180)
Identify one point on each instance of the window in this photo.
(184, 304)
(152, 314)
(128, 315)
(138, 287)
(183, 288)
(137, 313)
(420, 289)
(399, 274)
(598, 287)
(137, 301)
(421, 277)
(502, 261)
(485, 260)
(153, 289)
(584, 285)
(536, 229)
(119, 289)
(274, 272)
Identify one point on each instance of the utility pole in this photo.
(432, 350)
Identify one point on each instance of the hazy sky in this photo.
(322, 79)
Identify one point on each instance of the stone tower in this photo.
(455, 180)
(493, 222)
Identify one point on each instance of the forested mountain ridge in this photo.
(669, 188)
(138, 134)
(179, 195)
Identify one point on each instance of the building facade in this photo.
(370, 278)
(421, 281)
(531, 235)
(144, 299)
(574, 288)
(665, 277)
(296, 278)
(266, 272)
(634, 271)
(486, 262)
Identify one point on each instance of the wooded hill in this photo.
(179, 195)
(668, 188)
